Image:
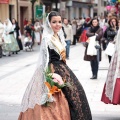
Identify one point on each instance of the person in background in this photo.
(102, 21)
(1, 41)
(94, 30)
(10, 44)
(69, 22)
(108, 17)
(37, 32)
(80, 22)
(111, 32)
(17, 34)
(113, 11)
(25, 22)
(69, 38)
(106, 25)
(85, 26)
(74, 27)
(28, 29)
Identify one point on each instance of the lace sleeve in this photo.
(36, 87)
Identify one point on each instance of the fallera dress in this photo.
(69, 104)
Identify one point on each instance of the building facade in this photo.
(18, 9)
(79, 8)
(100, 7)
(8, 9)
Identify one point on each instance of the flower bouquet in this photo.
(54, 84)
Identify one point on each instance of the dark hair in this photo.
(14, 20)
(94, 19)
(113, 17)
(52, 14)
(65, 19)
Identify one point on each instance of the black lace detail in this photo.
(78, 104)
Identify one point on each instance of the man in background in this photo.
(69, 36)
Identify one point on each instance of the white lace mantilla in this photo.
(36, 87)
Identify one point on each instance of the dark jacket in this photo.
(110, 34)
(98, 38)
(17, 30)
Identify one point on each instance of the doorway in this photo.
(11, 12)
(23, 15)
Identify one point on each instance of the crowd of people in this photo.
(11, 40)
(55, 39)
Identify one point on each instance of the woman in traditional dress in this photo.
(17, 33)
(111, 91)
(10, 44)
(69, 104)
(37, 32)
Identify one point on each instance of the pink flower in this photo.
(57, 78)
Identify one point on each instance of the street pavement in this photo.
(17, 70)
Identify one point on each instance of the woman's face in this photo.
(13, 21)
(95, 23)
(56, 23)
(113, 22)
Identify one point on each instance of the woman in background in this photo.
(111, 32)
(1, 41)
(10, 44)
(17, 33)
(37, 32)
(94, 30)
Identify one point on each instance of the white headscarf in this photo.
(8, 27)
(48, 32)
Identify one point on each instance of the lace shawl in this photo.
(36, 87)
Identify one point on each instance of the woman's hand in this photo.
(63, 55)
(19, 37)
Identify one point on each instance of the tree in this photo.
(33, 2)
